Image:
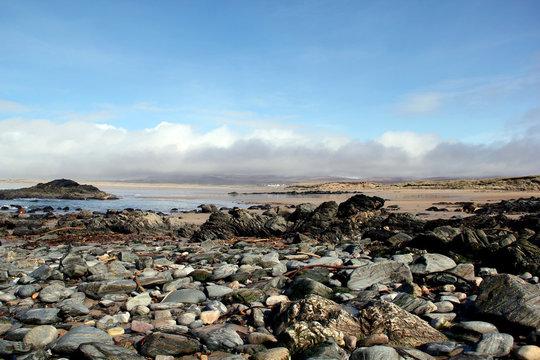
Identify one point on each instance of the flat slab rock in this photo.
(384, 272)
(510, 298)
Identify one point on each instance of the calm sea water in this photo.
(164, 199)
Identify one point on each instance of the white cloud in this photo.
(411, 143)
(44, 149)
(420, 104)
(12, 107)
(102, 115)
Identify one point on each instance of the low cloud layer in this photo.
(82, 150)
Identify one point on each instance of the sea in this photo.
(155, 197)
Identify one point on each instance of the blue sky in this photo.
(335, 80)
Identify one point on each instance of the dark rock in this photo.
(39, 316)
(71, 340)
(57, 189)
(95, 351)
(98, 289)
(208, 208)
(302, 287)
(518, 258)
(509, 298)
(359, 203)
(159, 343)
(11, 348)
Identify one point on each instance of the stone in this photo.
(73, 308)
(73, 266)
(510, 298)
(41, 336)
(528, 352)
(444, 306)
(186, 318)
(142, 299)
(141, 327)
(413, 304)
(276, 299)
(105, 351)
(260, 338)
(209, 317)
(5, 325)
(384, 272)
(116, 331)
(54, 293)
(71, 340)
(431, 263)
(217, 291)
(495, 344)
(25, 291)
(159, 343)
(10, 348)
(224, 337)
(96, 290)
(439, 348)
(402, 327)
(302, 287)
(313, 320)
(326, 350)
(374, 339)
(189, 296)
(279, 353)
(377, 352)
(39, 316)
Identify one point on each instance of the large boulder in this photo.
(311, 321)
(510, 299)
(359, 203)
(401, 327)
(238, 222)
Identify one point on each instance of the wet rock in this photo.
(384, 272)
(510, 298)
(159, 343)
(71, 340)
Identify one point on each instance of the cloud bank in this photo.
(83, 150)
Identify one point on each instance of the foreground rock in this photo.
(58, 189)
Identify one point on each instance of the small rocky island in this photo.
(57, 189)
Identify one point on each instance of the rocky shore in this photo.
(334, 281)
(57, 189)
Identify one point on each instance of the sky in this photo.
(134, 90)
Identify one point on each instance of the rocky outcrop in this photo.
(58, 189)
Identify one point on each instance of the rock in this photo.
(377, 352)
(496, 344)
(245, 296)
(39, 316)
(326, 350)
(189, 296)
(10, 348)
(96, 290)
(276, 299)
(223, 338)
(431, 263)
(439, 348)
(41, 336)
(359, 203)
(510, 298)
(73, 266)
(518, 257)
(402, 328)
(159, 343)
(384, 272)
(302, 287)
(71, 340)
(25, 291)
(92, 351)
(142, 299)
(279, 353)
(313, 320)
(116, 331)
(141, 327)
(413, 304)
(57, 189)
(260, 338)
(217, 291)
(375, 339)
(209, 317)
(5, 325)
(472, 331)
(54, 293)
(528, 352)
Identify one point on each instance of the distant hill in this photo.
(57, 189)
(522, 183)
